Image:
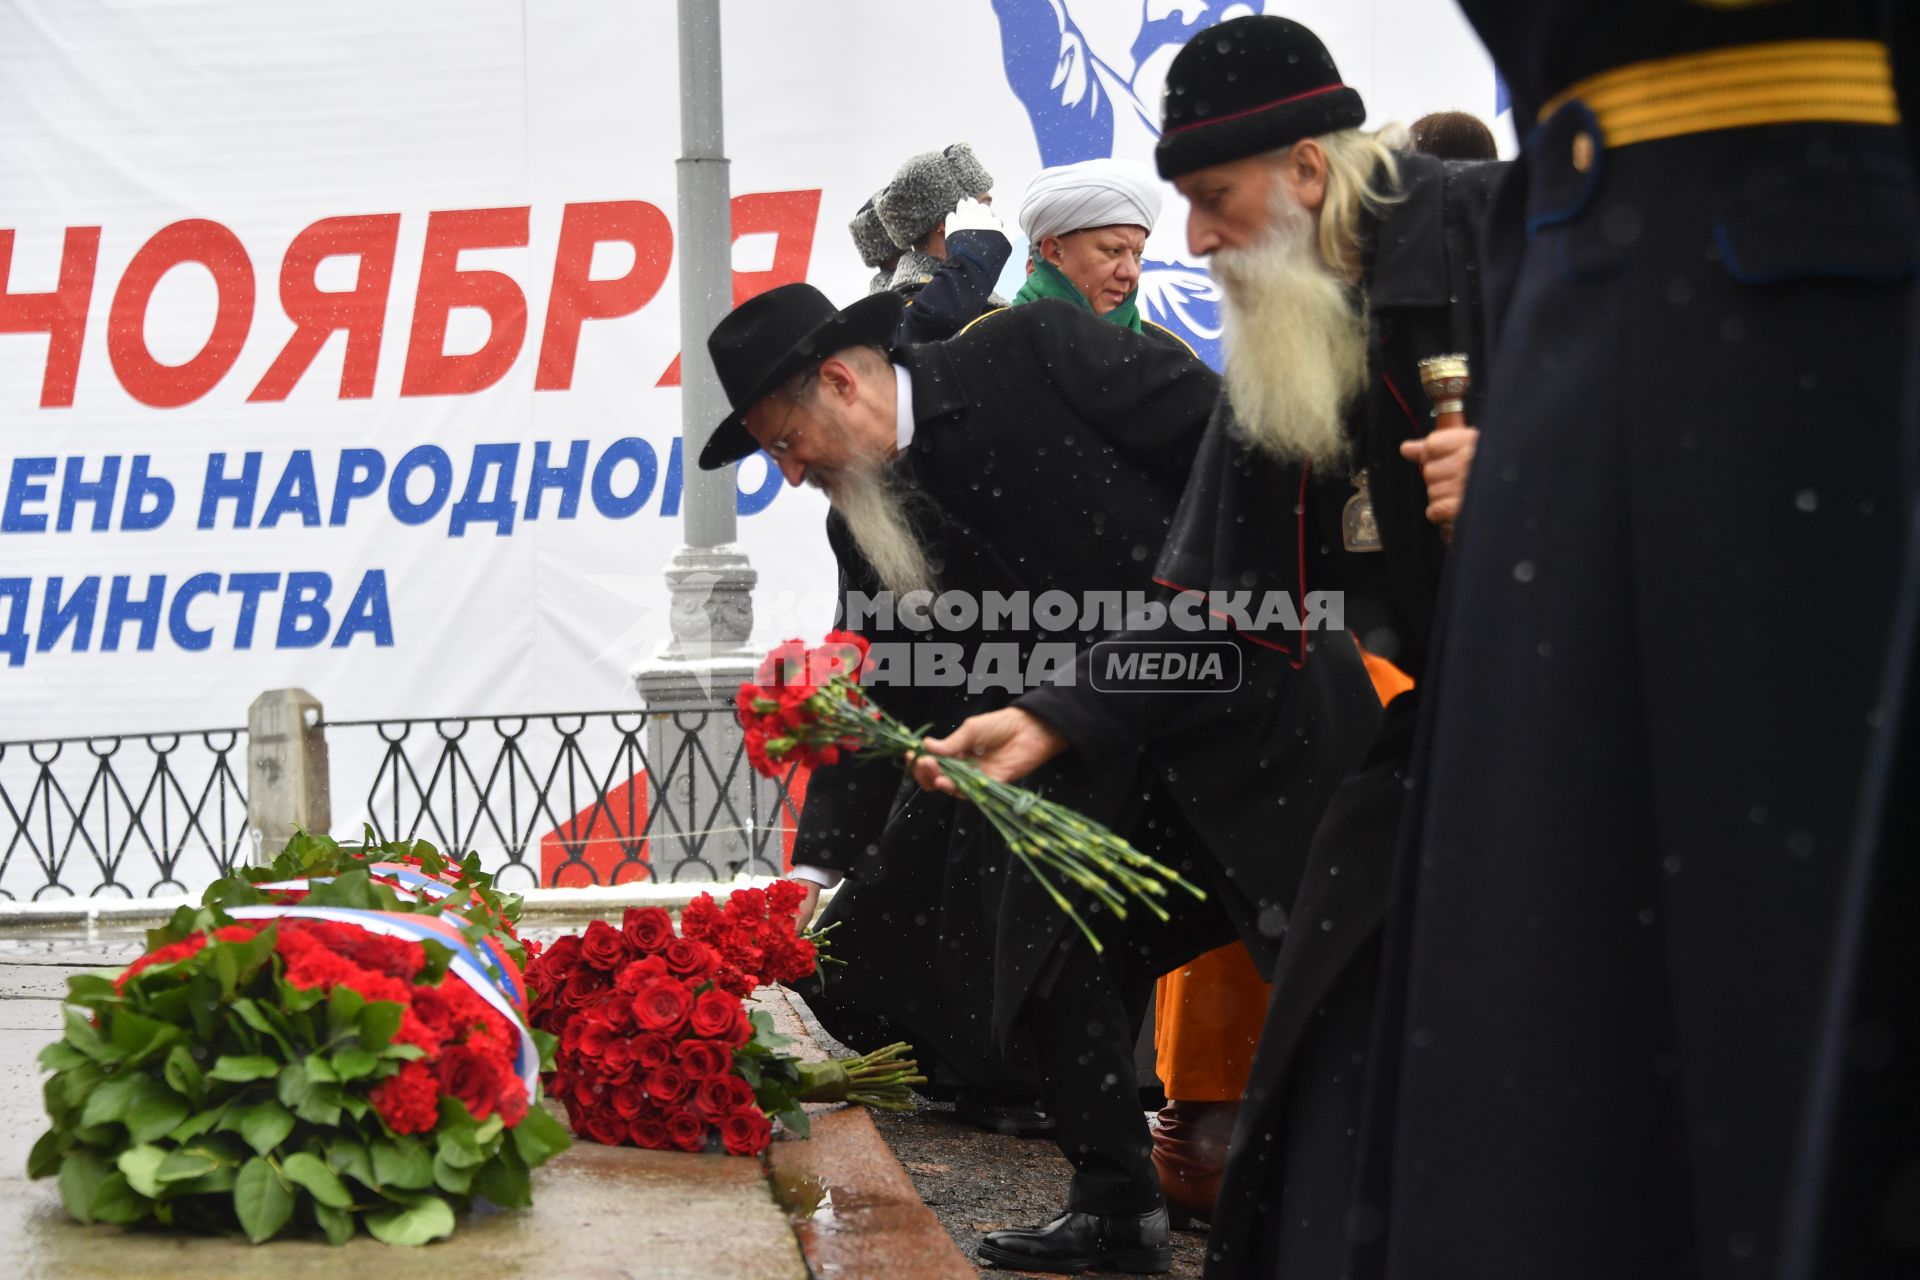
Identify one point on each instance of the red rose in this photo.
(648, 1131)
(639, 973)
(713, 1100)
(647, 929)
(686, 1130)
(606, 1128)
(718, 1016)
(584, 987)
(668, 1085)
(703, 1059)
(603, 946)
(557, 962)
(629, 1100)
(409, 1102)
(688, 959)
(662, 1006)
(598, 1034)
(649, 1051)
(746, 1132)
(472, 1077)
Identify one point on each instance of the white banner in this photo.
(337, 341)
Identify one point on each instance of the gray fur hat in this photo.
(870, 238)
(926, 189)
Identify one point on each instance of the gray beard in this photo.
(1296, 350)
(869, 501)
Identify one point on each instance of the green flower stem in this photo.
(882, 1079)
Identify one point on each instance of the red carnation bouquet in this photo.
(657, 1047)
(805, 706)
(358, 1058)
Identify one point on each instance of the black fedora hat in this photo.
(769, 338)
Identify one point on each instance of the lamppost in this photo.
(693, 738)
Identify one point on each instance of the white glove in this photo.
(971, 215)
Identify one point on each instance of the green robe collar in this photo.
(1048, 281)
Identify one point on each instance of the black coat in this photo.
(1049, 452)
(1648, 716)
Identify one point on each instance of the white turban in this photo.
(1093, 193)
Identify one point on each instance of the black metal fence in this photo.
(552, 799)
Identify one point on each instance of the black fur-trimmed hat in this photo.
(876, 247)
(926, 189)
(1247, 86)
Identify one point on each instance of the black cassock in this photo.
(1050, 450)
(1666, 615)
(1250, 524)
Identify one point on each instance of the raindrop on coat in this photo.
(1807, 500)
(1523, 571)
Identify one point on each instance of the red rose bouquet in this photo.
(805, 705)
(656, 1045)
(359, 1058)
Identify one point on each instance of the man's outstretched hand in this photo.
(1008, 744)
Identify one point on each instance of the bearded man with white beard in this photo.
(1039, 455)
(1343, 266)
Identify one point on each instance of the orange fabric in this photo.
(1206, 1021)
(1389, 681)
(1207, 1016)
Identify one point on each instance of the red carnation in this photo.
(647, 929)
(746, 1132)
(703, 1059)
(473, 1078)
(686, 1130)
(409, 1101)
(668, 1085)
(784, 897)
(513, 1104)
(663, 1007)
(700, 918)
(192, 944)
(603, 947)
(718, 1016)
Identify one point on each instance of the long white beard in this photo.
(1296, 349)
(869, 501)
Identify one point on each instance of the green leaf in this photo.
(254, 1016)
(109, 1102)
(242, 1069)
(61, 1056)
(226, 967)
(155, 1114)
(401, 1162)
(540, 1137)
(794, 1117)
(86, 988)
(261, 1201)
(186, 1164)
(292, 1087)
(343, 1008)
(80, 1179)
(142, 1166)
(117, 1201)
(457, 1179)
(195, 1125)
(44, 1160)
(352, 1064)
(321, 1107)
(320, 1071)
(84, 1036)
(337, 1223)
(312, 1173)
(426, 1218)
(459, 1150)
(262, 1126)
(378, 1022)
(504, 1180)
(349, 1156)
(491, 1129)
(184, 1074)
(139, 1038)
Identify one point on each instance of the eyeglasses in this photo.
(778, 448)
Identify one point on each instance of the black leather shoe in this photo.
(1016, 1118)
(1076, 1242)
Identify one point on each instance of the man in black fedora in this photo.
(1042, 451)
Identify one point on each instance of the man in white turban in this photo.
(1088, 223)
